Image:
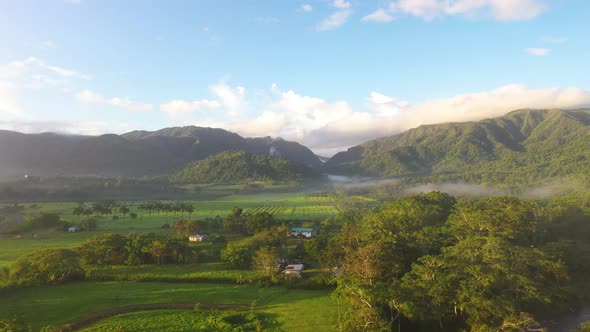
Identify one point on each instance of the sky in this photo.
(329, 74)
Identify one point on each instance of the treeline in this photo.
(428, 262)
(51, 266)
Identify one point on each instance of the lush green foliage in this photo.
(237, 256)
(240, 167)
(428, 262)
(47, 266)
(524, 146)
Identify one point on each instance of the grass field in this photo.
(294, 310)
(170, 320)
(288, 205)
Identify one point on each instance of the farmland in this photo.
(42, 306)
(295, 206)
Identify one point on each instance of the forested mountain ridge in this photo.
(236, 167)
(526, 145)
(137, 153)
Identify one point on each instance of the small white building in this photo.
(293, 270)
(198, 237)
(73, 229)
(303, 232)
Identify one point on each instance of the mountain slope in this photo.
(525, 143)
(137, 153)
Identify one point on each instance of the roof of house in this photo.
(294, 267)
(301, 229)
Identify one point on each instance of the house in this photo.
(303, 232)
(198, 237)
(293, 271)
(73, 229)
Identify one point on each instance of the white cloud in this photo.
(74, 2)
(335, 20)
(341, 4)
(25, 73)
(538, 51)
(90, 97)
(175, 108)
(233, 99)
(9, 106)
(306, 7)
(379, 16)
(62, 127)
(503, 10)
(555, 40)
(331, 126)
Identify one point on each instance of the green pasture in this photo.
(168, 320)
(294, 310)
(286, 205)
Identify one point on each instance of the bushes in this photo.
(48, 266)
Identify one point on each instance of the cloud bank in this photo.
(502, 10)
(331, 126)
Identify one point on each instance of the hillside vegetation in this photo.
(136, 154)
(234, 167)
(522, 146)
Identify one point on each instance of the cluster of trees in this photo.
(50, 266)
(428, 262)
(241, 167)
(162, 207)
(47, 266)
(102, 208)
(135, 249)
(49, 220)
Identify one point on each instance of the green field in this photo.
(295, 206)
(293, 310)
(289, 310)
(169, 320)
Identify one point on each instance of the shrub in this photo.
(46, 266)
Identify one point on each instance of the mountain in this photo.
(137, 153)
(524, 145)
(232, 167)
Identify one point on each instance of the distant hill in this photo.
(137, 153)
(523, 146)
(233, 167)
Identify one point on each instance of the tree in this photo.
(46, 220)
(47, 266)
(236, 256)
(234, 221)
(159, 249)
(138, 248)
(105, 249)
(258, 222)
(123, 209)
(186, 227)
(265, 260)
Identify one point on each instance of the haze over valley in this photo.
(322, 165)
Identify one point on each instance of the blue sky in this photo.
(328, 73)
